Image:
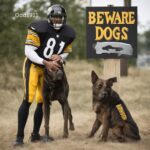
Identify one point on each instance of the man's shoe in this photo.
(35, 137)
(19, 141)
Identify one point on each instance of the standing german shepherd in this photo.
(111, 112)
(55, 87)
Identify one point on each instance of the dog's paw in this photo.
(90, 136)
(72, 127)
(102, 139)
(65, 136)
(48, 139)
(121, 140)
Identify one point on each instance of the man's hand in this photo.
(51, 65)
(56, 58)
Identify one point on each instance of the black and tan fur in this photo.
(111, 112)
(55, 87)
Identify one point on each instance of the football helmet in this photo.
(57, 16)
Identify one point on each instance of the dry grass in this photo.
(134, 90)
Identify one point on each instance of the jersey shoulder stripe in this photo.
(68, 49)
(32, 39)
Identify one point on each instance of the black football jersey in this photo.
(48, 40)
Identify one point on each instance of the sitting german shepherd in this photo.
(111, 112)
(55, 87)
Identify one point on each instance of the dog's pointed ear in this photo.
(94, 77)
(112, 80)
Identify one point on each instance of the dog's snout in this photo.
(104, 94)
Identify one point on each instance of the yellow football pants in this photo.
(33, 81)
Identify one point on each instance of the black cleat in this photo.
(35, 137)
(19, 142)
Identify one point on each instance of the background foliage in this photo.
(13, 28)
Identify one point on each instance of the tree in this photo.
(147, 40)
(6, 11)
(14, 27)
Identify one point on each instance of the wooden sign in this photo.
(111, 32)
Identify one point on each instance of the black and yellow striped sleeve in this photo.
(68, 49)
(32, 39)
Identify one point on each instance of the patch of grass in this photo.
(134, 90)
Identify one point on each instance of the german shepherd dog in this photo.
(55, 87)
(111, 112)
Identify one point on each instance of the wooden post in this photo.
(116, 67)
(127, 2)
(124, 67)
(124, 62)
(112, 69)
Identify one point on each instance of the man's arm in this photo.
(31, 45)
(32, 55)
(62, 57)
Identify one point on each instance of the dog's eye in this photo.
(100, 85)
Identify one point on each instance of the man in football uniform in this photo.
(47, 42)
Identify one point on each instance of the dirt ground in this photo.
(134, 90)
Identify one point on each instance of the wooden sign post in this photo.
(111, 35)
(124, 62)
(116, 67)
(111, 68)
